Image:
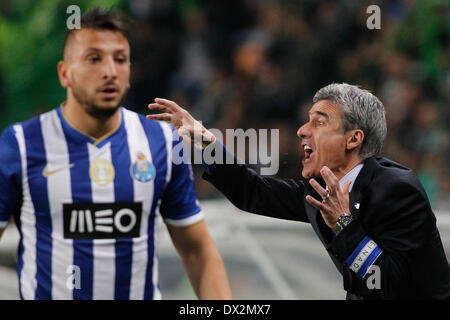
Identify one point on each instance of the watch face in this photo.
(345, 219)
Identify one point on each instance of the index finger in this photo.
(168, 103)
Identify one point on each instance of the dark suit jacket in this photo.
(390, 207)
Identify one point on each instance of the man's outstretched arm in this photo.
(246, 189)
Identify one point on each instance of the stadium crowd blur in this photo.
(257, 64)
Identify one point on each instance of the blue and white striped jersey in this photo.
(89, 207)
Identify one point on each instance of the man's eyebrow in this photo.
(93, 49)
(320, 113)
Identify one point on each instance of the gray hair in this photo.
(362, 110)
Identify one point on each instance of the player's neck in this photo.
(88, 125)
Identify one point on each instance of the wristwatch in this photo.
(343, 221)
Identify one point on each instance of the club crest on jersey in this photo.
(142, 170)
(102, 172)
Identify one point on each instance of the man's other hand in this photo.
(335, 201)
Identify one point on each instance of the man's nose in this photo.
(303, 131)
(110, 69)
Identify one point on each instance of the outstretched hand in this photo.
(184, 123)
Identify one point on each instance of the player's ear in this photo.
(63, 74)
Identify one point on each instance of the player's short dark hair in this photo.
(101, 19)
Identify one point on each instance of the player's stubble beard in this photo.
(89, 105)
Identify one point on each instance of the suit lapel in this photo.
(354, 201)
(356, 197)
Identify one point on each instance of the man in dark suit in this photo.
(372, 214)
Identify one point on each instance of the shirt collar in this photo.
(351, 176)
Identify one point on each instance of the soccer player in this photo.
(86, 182)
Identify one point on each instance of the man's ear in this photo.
(63, 74)
(355, 139)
